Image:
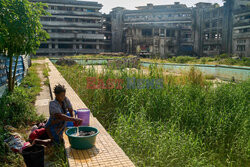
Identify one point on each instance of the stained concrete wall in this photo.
(129, 26)
(212, 30)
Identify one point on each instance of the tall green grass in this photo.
(187, 123)
(217, 60)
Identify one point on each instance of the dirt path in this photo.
(43, 99)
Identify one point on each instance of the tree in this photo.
(20, 31)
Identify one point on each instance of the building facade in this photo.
(75, 27)
(241, 28)
(162, 29)
(78, 27)
(211, 30)
(204, 30)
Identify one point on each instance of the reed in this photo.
(187, 123)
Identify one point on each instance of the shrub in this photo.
(222, 56)
(182, 59)
(210, 77)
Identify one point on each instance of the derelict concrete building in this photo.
(162, 29)
(204, 30)
(241, 28)
(212, 26)
(75, 27)
(78, 27)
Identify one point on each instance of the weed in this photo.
(188, 123)
(17, 110)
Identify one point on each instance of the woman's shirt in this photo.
(55, 107)
(55, 126)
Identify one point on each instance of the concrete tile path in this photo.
(106, 152)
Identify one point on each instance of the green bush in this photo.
(182, 59)
(245, 61)
(222, 56)
(203, 60)
(17, 109)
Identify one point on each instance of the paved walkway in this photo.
(106, 152)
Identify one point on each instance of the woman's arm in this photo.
(71, 111)
(67, 118)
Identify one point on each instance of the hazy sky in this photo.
(131, 4)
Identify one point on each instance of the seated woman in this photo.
(58, 109)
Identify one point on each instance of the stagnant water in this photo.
(223, 72)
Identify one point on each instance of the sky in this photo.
(131, 4)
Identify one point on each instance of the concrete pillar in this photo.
(56, 44)
(176, 33)
(74, 44)
(127, 45)
(98, 45)
(80, 46)
(162, 46)
(50, 46)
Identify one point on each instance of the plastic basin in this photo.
(82, 142)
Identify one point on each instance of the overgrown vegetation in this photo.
(46, 74)
(217, 60)
(99, 56)
(57, 156)
(187, 123)
(17, 109)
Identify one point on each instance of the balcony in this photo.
(83, 51)
(240, 23)
(78, 36)
(186, 40)
(213, 28)
(157, 19)
(72, 42)
(74, 13)
(69, 24)
(241, 35)
(213, 41)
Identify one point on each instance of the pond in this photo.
(223, 72)
(220, 71)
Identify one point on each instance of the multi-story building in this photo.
(75, 27)
(211, 29)
(241, 28)
(205, 30)
(78, 27)
(160, 29)
(106, 30)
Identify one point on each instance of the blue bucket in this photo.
(69, 123)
